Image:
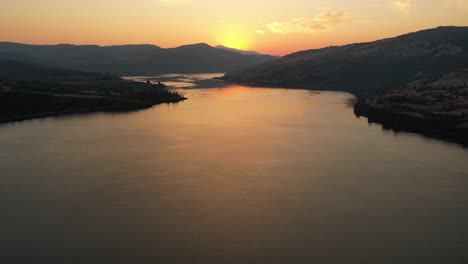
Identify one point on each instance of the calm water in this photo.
(232, 175)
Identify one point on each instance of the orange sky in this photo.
(270, 26)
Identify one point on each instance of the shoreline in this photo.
(443, 128)
(19, 118)
(90, 104)
(446, 128)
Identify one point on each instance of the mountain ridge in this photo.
(132, 59)
(246, 52)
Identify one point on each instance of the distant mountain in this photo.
(246, 52)
(132, 59)
(365, 67)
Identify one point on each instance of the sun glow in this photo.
(234, 41)
(233, 36)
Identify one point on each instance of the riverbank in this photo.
(30, 91)
(21, 105)
(435, 107)
(442, 127)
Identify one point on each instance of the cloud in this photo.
(402, 6)
(260, 31)
(318, 23)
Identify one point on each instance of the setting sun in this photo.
(233, 36)
(234, 41)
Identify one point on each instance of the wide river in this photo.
(232, 175)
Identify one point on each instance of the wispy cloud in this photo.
(260, 31)
(317, 23)
(402, 6)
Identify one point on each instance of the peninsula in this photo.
(30, 91)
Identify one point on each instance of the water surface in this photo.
(232, 175)
(184, 80)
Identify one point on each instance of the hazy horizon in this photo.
(269, 27)
(212, 45)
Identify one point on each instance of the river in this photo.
(231, 175)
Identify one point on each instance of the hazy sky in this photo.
(270, 26)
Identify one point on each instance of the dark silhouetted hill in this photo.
(365, 67)
(132, 59)
(31, 90)
(246, 52)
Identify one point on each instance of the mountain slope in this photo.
(131, 59)
(365, 67)
(246, 52)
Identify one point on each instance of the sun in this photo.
(233, 36)
(235, 41)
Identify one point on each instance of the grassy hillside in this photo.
(366, 67)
